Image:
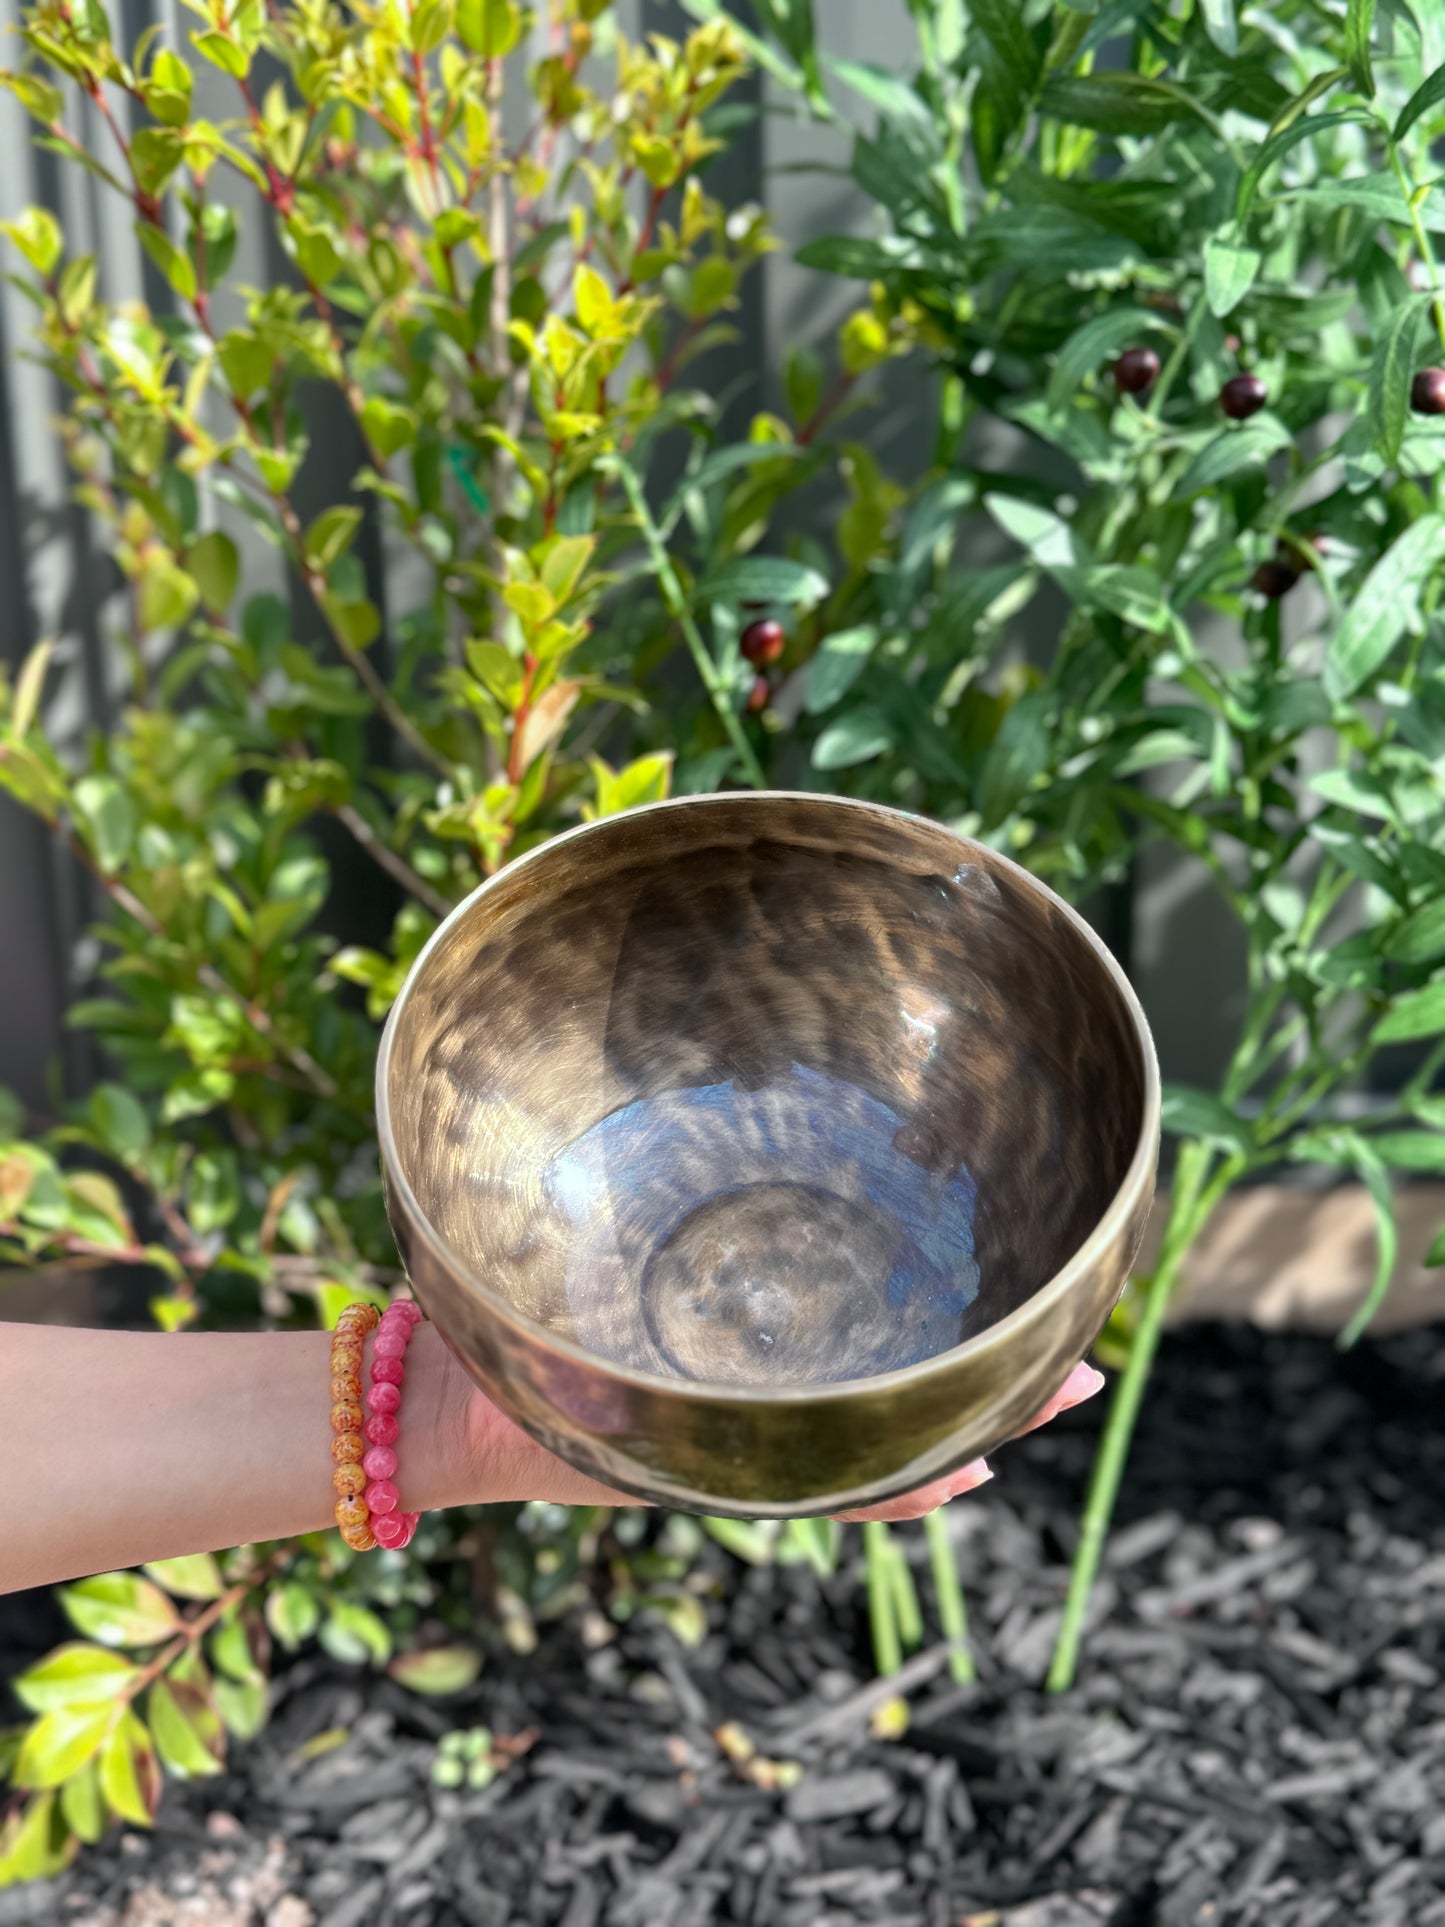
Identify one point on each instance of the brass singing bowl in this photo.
(767, 1154)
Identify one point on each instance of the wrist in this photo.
(438, 1461)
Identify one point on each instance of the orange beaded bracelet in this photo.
(348, 1442)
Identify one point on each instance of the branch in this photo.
(395, 865)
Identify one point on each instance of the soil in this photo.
(1258, 1735)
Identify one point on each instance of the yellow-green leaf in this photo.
(120, 1609)
(74, 1675)
(489, 27)
(81, 1804)
(214, 565)
(130, 1777)
(330, 536)
(60, 1743)
(195, 1576)
(28, 685)
(439, 1670)
(178, 1740)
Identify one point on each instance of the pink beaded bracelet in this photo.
(389, 1525)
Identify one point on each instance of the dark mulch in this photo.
(1259, 1735)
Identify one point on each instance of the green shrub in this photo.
(510, 331)
(1096, 223)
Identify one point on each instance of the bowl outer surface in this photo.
(811, 1449)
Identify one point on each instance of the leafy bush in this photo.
(510, 332)
(1192, 259)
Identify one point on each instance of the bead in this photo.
(347, 1448)
(387, 1371)
(359, 1538)
(382, 1398)
(396, 1321)
(410, 1520)
(380, 1429)
(363, 1315)
(345, 1357)
(380, 1462)
(348, 1481)
(389, 1529)
(345, 1385)
(404, 1308)
(346, 1415)
(391, 1344)
(352, 1512)
(381, 1496)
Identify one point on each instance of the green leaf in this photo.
(330, 536)
(439, 1670)
(1410, 1150)
(646, 780)
(74, 1675)
(120, 1121)
(1015, 756)
(1280, 142)
(175, 1722)
(1387, 1237)
(1421, 937)
(1359, 23)
(231, 1651)
(1098, 340)
(193, 1576)
(214, 564)
(1221, 25)
(1232, 451)
(130, 1776)
(1390, 375)
(292, 1613)
(119, 1609)
(36, 233)
(1416, 1013)
(81, 1804)
(1002, 24)
(837, 666)
(60, 1743)
(174, 263)
(387, 426)
(898, 103)
(354, 1634)
(489, 27)
(1230, 270)
(166, 596)
(763, 578)
(28, 685)
(1118, 103)
(566, 560)
(1386, 606)
(1199, 1114)
(855, 738)
(1427, 95)
(223, 52)
(243, 1706)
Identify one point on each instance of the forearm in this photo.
(129, 1446)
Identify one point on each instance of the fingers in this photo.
(928, 1498)
(1082, 1382)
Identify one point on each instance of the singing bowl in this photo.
(767, 1154)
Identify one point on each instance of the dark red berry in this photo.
(1136, 371)
(1276, 577)
(762, 643)
(759, 696)
(1243, 396)
(1427, 392)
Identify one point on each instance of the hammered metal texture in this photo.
(767, 1154)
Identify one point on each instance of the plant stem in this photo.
(887, 1647)
(1194, 1200)
(948, 1592)
(395, 865)
(676, 600)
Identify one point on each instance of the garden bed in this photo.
(1258, 1735)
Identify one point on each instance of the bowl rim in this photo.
(1136, 1184)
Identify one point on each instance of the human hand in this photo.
(510, 1465)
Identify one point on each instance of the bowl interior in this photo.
(764, 1091)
